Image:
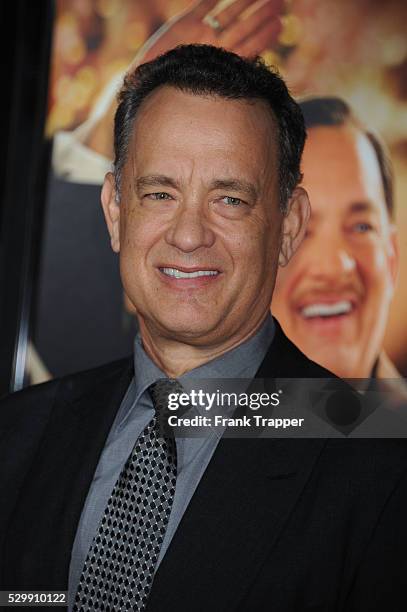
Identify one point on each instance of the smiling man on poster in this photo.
(203, 205)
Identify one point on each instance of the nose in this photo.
(330, 258)
(190, 230)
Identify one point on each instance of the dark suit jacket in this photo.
(280, 525)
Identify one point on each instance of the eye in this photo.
(231, 201)
(158, 195)
(362, 227)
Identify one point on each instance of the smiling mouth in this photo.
(326, 311)
(176, 273)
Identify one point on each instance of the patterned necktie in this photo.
(119, 569)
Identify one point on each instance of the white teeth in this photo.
(326, 310)
(180, 274)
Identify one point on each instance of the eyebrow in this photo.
(357, 207)
(154, 180)
(354, 208)
(235, 185)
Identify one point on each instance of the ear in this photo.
(294, 224)
(393, 254)
(111, 210)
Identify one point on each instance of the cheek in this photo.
(373, 266)
(242, 245)
(138, 235)
(250, 260)
(260, 255)
(380, 261)
(283, 277)
(289, 277)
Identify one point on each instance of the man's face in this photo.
(333, 298)
(198, 225)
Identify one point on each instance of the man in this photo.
(333, 298)
(78, 268)
(203, 206)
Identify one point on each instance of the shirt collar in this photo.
(241, 362)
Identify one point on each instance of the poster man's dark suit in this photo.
(279, 525)
(78, 273)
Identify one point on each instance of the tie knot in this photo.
(160, 391)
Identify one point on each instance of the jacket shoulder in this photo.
(34, 404)
(284, 359)
(26, 415)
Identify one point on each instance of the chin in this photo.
(345, 367)
(187, 328)
(341, 370)
(342, 363)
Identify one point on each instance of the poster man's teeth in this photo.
(326, 310)
(180, 274)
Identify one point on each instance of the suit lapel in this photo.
(235, 517)
(53, 495)
(231, 524)
(238, 510)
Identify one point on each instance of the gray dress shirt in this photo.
(193, 454)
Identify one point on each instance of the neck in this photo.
(175, 357)
(385, 368)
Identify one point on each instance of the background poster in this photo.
(355, 49)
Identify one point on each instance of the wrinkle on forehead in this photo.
(341, 170)
(241, 132)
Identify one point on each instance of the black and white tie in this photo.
(120, 566)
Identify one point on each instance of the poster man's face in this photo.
(198, 225)
(333, 298)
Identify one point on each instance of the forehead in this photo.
(179, 129)
(341, 169)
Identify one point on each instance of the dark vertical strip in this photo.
(25, 56)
